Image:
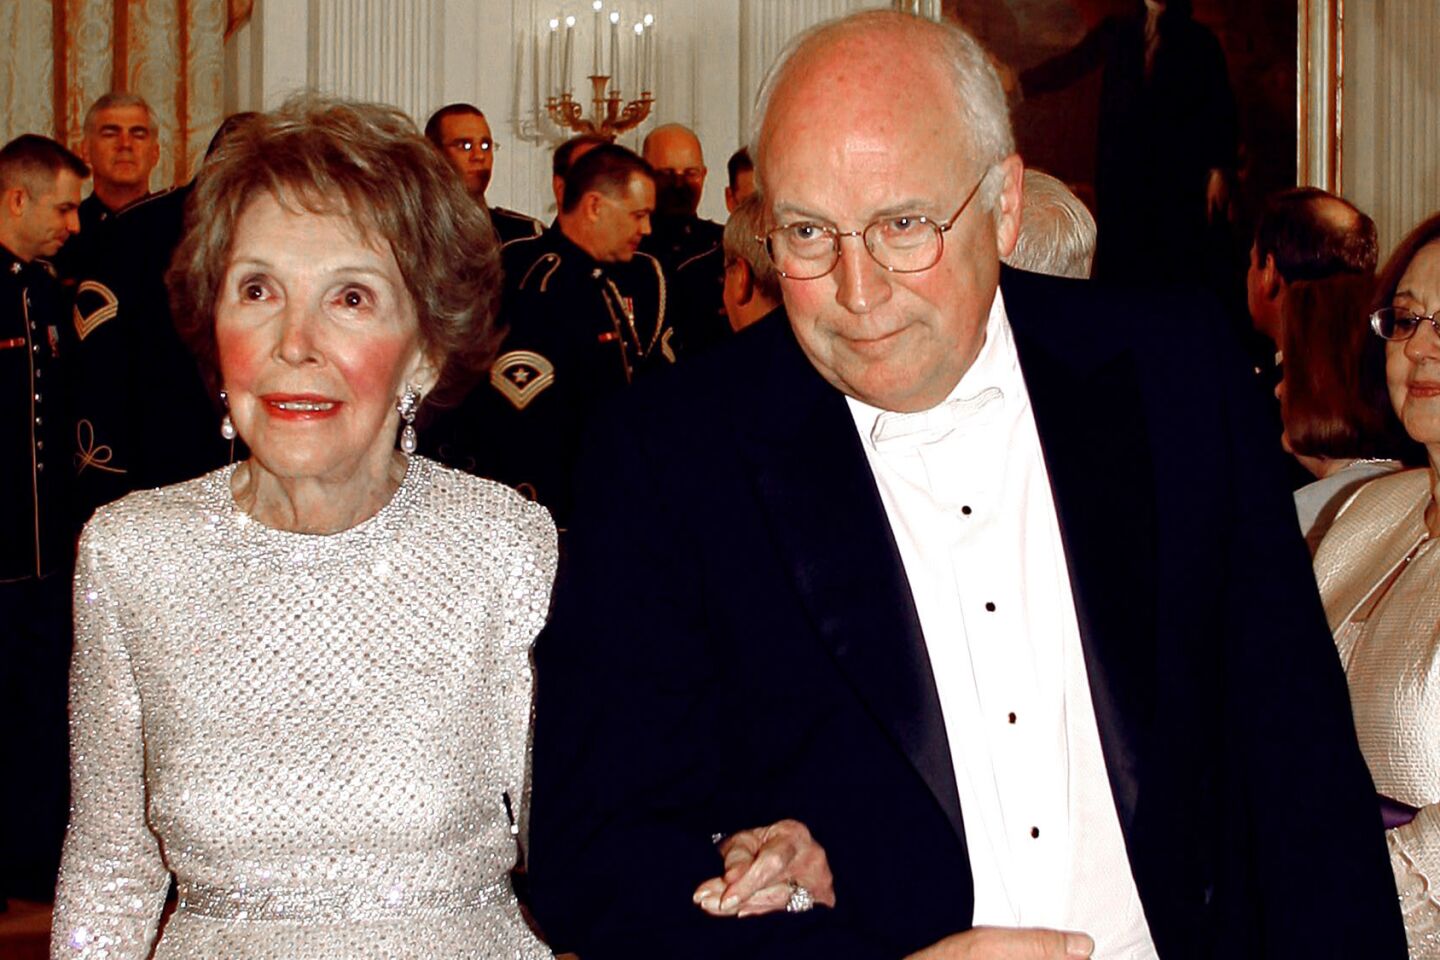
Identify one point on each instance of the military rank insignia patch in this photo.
(521, 375)
(94, 304)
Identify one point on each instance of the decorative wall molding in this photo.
(1319, 36)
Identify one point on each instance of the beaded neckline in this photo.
(226, 514)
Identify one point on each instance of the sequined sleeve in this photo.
(112, 880)
(1415, 858)
(529, 604)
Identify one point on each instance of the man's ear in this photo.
(590, 205)
(730, 202)
(1009, 203)
(745, 283)
(15, 200)
(1270, 279)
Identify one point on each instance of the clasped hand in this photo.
(763, 866)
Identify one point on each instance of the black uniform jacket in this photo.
(145, 418)
(688, 248)
(675, 239)
(733, 641)
(79, 251)
(578, 332)
(36, 532)
(510, 225)
(699, 314)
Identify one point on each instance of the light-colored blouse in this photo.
(1379, 576)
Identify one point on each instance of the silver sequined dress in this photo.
(313, 733)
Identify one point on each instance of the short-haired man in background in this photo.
(1304, 233)
(1057, 231)
(127, 353)
(584, 312)
(740, 174)
(686, 244)
(121, 144)
(566, 156)
(39, 211)
(679, 233)
(462, 134)
(752, 287)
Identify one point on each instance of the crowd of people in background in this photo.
(101, 395)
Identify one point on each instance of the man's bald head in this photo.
(673, 150)
(1313, 234)
(892, 128)
(672, 144)
(969, 80)
(1304, 233)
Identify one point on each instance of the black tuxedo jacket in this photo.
(753, 653)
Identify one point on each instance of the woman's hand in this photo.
(762, 868)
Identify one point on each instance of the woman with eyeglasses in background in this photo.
(1334, 403)
(1379, 574)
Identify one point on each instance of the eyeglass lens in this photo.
(1393, 323)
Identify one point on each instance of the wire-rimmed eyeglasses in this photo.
(1397, 323)
(470, 145)
(901, 243)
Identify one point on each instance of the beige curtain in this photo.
(58, 56)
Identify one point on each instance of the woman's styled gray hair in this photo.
(366, 162)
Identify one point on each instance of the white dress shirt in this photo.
(967, 495)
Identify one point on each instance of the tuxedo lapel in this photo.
(1089, 413)
(830, 527)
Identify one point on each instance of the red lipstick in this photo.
(299, 406)
(1424, 391)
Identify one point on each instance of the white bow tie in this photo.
(894, 430)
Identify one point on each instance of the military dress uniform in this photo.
(75, 257)
(510, 225)
(689, 248)
(675, 239)
(578, 331)
(144, 416)
(37, 546)
(699, 295)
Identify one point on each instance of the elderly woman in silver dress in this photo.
(1379, 574)
(301, 683)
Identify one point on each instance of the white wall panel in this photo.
(383, 50)
(1390, 124)
(421, 54)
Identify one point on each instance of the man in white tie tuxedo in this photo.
(988, 578)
